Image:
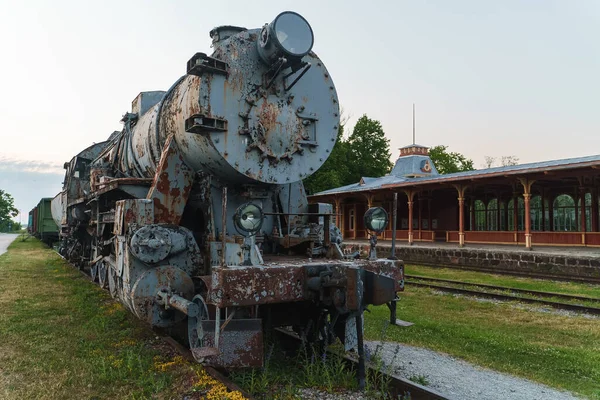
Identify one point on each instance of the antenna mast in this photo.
(413, 123)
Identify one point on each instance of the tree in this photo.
(449, 162)
(7, 210)
(332, 173)
(505, 161)
(509, 160)
(368, 150)
(489, 161)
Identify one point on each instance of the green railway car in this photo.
(44, 226)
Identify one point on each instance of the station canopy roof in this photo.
(415, 168)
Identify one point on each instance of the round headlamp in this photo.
(248, 218)
(376, 219)
(289, 35)
(293, 33)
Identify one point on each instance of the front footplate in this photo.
(237, 344)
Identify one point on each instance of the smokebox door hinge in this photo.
(201, 63)
(199, 123)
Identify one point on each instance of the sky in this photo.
(489, 78)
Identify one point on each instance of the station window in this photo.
(351, 219)
(564, 214)
(535, 210)
(520, 214)
(588, 212)
(492, 215)
(480, 224)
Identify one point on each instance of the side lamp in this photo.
(376, 220)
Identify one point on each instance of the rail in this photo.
(398, 386)
(499, 296)
(506, 288)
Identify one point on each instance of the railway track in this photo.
(397, 386)
(442, 284)
(187, 354)
(174, 344)
(550, 277)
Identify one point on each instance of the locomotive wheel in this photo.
(195, 332)
(144, 291)
(102, 274)
(94, 272)
(112, 282)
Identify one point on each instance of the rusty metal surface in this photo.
(240, 343)
(393, 269)
(144, 294)
(151, 244)
(158, 202)
(171, 187)
(240, 286)
(136, 212)
(287, 282)
(269, 147)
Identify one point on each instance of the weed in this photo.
(282, 377)
(63, 337)
(420, 379)
(558, 350)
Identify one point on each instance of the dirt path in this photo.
(5, 240)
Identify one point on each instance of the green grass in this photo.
(283, 375)
(64, 338)
(574, 288)
(560, 351)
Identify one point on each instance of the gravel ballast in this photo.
(458, 379)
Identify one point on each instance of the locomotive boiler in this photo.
(195, 215)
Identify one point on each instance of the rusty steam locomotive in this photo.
(195, 216)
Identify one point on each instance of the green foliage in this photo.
(449, 162)
(7, 211)
(332, 173)
(369, 150)
(365, 153)
(420, 379)
(556, 349)
(283, 377)
(71, 340)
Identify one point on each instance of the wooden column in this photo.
(461, 214)
(355, 223)
(575, 197)
(410, 194)
(594, 210)
(583, 208)
(506, 201)
(551, 213)
(339, 214)
(527, 197)
(420, 217)
(472, 214)
(543, 210)
(487, 223)
(497, 212)
(515, 215)
(369, 200)
(429, 214)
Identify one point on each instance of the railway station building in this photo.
(551, 203)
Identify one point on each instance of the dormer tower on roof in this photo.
(414, 149)
(414, 162)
